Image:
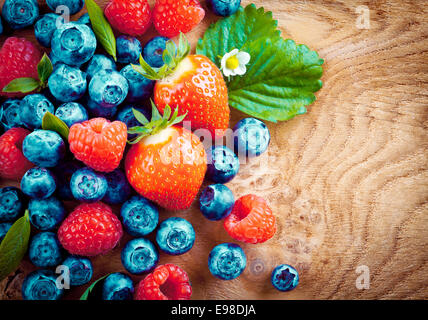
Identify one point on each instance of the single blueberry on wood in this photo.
(251, 137)
(175, 236)
(285, 277)
(139, 256)
(216, 201)
(139, 216)
(224, 8)
(222, 164)
(227, 261)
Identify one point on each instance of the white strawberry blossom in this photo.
(234, 63)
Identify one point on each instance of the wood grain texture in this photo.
(348, 181)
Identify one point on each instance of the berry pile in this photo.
(104, 106)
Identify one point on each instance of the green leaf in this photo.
(102, 28)
(23, 85)
(53, 123)
(14, 246)
(44, 69)
(85, 294)
(141, 118)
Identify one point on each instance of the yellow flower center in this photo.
(232, 63)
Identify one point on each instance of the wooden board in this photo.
(348, 181)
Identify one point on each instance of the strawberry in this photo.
(167, 163)
(172, 17)
(98, 143)
(193, 83)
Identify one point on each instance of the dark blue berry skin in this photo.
(45, 28)
(126, 115)
(227, 261)
(118, 286)
(96, 110)
(175, 236)
(84, 19)
(54, 60)
(1, 26)
(67, 83)
(108, 88)
(216, 202)
(74, 5)
(139, 255)
(118, 189)
(284, 277)
(222, 164)
(251, 137)
(38, 183)
(33, 108)
(4, 228)
(140, 88)
(20, 13)
(224, 8)
(63, 173)
(81, 270)
(71, 113)
(46, 214)
(44, 148)
(13, 203)
(10, 117)
(153, 50)
(97, 63)
(87, 185)
(128, 49)
(44, 250)
(41, 285)
(74, 43)
(139, 216)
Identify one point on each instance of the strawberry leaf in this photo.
(23, 85)
(44, 69)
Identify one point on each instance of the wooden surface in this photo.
(348, 181)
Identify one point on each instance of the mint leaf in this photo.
(53, 123)
(102, 28)
(23, 85)
(44, 69)
(85, 294)
(14, 245)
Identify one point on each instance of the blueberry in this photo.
(71, 113)
(139, 216)
(80, 269)
(284, 277)
(45, 28)
(63, 173)
(33, 108)
(251, 137)
(73, 5)
(11, 117)
(223, 164)
(224, 8)
(74, 43)
(88, 185)
(227, 261)
(38, 183)
(175, 236)
(46, 214)
(13, 203)
(108, 88)
(84, 19)
(128, 49)
(97, 63)
(118, 189)
(126, 115)
(4, 228)
(41, 285)
(118, 286)
(67, 83)
(96, 110)
(20, 13)
(153, 50)
(216, 202)
(54, 60)
(44, 250)
(140, 88)
(139, 255)
(44, 148)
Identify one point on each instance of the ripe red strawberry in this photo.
(19, 58)
(91, 229)
(166, 282)
(251, 220)
(169, 165)
(98, 143)
(13, 164)
(172, 17)
(131, 17)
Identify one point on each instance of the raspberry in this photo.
(251, 220)
(91, 229)
(13, 164)
(131, 17)
(19, 58)
(166, 282)
(98, 143)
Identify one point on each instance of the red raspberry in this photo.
(98, 143)
(171, 17)
(166, 282)
(19, 58)
(13, 164)
(251, 220)
(91, 229)
(131, 17)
